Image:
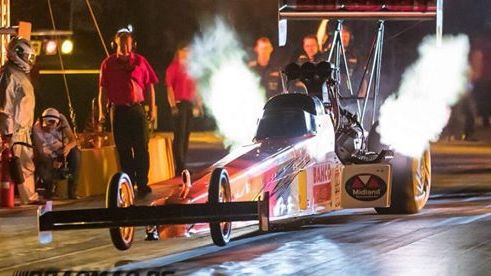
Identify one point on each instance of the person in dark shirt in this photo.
(355, 71)
(311, 50)
(480, 60)
(268, 72)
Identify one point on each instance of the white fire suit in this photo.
(16, 118)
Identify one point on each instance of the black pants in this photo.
(45, 170)
(130, 129)
(182, 128)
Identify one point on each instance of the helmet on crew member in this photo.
(20, 52)
(50, 115)
(123, 34)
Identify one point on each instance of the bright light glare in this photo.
(67, 47)
(51, 47)
(230, 91)
(417, 114)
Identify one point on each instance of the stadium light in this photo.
(50, 48)
(67, 47)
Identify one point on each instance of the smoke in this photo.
(230, 91)
(417, 114)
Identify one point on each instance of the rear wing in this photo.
(399, 10)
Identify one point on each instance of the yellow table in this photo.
(161, 158)
(98, 165)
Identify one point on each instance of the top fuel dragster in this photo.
(309, 156)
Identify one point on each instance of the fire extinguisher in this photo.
(7, 189)
(10, 173)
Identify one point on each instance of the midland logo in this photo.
(366, 187)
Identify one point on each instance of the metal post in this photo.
(5, 22)
(334, 44)
(379, 67)
(338, 49)
(370, 79)
(439, 22)
(375, 71)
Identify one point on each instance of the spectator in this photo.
(125, 77)
(56, 151)
(16, 111)
(269, 74)
(181, 94)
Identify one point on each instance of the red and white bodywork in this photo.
(302, 174)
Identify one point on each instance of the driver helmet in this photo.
(50, 114)
(20, 52)
(297, 87)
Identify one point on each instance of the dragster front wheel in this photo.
(120, 194)
(219, 191)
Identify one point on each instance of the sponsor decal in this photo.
(337, 187)
(366, 187)
(322, 174)
(322, 193)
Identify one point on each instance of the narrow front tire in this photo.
(120, 194)
(219, 192)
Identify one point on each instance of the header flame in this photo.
(230, 91)
(417, 114)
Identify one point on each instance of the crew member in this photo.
(311, 52)
(126, 81)
(262, 65)
(17, 111)
(57, 154)
(181, 94)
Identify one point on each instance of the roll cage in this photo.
(342, 10)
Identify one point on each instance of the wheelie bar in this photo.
(154, 215)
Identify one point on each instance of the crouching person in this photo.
(56, 153)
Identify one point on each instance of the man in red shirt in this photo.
(181, 92)
(126, 80)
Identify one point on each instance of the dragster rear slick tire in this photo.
(411, 184)
(411, 179)
(120, 194)
(219, 191)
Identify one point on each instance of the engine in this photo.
(349, 137)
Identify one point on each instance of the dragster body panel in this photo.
(303, 175)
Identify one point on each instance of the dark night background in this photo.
(159, 25)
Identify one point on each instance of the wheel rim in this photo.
(224, 196)
(423, 176)
(125, 199)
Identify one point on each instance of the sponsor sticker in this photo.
(366, 187)
(322, 193)
(322, 174)
(322, 183)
